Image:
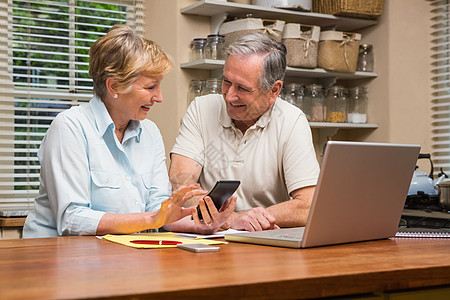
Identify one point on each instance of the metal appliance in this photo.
(423, 191)
(422, 207)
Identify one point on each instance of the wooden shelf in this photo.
(342, 125)
(204, 64)
(328, 130)
(214, 7)
(321, 73)
(211, 64)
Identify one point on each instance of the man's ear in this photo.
(276, 88)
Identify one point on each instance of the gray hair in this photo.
(274, 65)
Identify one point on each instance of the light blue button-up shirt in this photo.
(86, 172)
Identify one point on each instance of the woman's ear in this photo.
(111, 87)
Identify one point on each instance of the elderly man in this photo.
(251, 135)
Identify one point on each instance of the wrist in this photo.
(152, 220)
(230, 221)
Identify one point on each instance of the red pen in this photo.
(153, 242)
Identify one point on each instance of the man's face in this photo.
(245, 101)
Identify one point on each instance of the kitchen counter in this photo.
(11, 223)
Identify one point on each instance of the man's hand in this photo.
(255, 219)
(213, 219)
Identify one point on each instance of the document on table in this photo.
(157, 240)
(218, 234)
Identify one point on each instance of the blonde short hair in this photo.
(123, 55)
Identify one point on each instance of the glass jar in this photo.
(195, 90)
(214, 47)
(197, 49)
(213, 86)
(357, 105)
(313, 103)
(365, 58)
(300, 97)
(335, 109)
(290, 92)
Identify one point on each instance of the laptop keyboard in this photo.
(295, 233)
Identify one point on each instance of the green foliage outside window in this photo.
(50, 49)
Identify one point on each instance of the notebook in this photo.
(360, 195)
(439, 233)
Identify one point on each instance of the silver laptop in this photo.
(360, 195)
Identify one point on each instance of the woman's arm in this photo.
(171, 211)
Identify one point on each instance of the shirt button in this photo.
(126, 178)
(107, 180)
(136, 202)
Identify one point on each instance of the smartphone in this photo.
(198, 247)
(222, 190)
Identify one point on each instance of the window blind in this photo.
(441, 85)
(44, 62)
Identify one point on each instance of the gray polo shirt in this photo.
(273, 158)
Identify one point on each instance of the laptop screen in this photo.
(360, 193)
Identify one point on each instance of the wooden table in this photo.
(87, 267)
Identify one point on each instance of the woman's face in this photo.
(136, 102)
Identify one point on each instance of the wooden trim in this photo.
(12, 222)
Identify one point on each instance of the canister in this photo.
(197, 49)
(213, 86)
(365, 58)
(335, 109)
(357, 105)
(195, 89)
(214, 47)
(313, 103)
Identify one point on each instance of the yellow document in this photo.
(156, 240)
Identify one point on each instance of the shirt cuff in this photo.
(85, 222)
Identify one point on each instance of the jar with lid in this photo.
(195, 89)
(197, 49)
(365, 58)
(357, 105)
(300, 97)
(213, 86)
(335, 109)
(214, 47)
(290, 92)
(313, 103)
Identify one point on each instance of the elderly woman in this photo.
(103, 165)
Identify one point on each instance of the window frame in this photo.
(27, 109)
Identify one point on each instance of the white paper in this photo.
(219, 234)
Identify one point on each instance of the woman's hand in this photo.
(213, 219)
(172, 209)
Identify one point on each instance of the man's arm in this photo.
(183, 171)
(291, 213)
(294, 212)
(186, 171)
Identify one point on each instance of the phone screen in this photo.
(222, 190)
